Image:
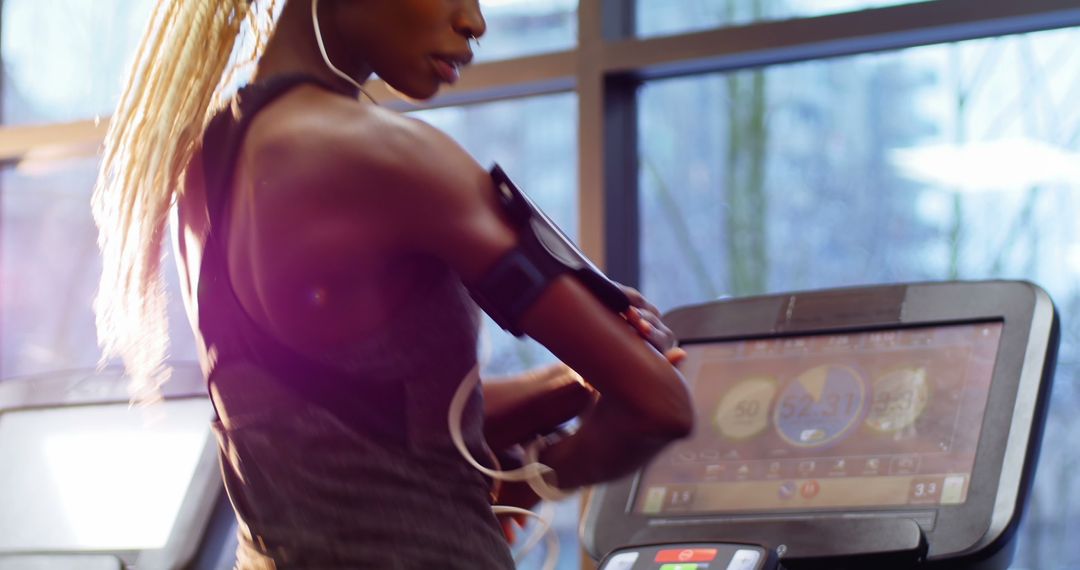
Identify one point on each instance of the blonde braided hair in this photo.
(175, 85)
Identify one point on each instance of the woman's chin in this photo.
(414, 93)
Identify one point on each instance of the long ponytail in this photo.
(174, 86)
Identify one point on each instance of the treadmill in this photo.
(874, 427)
(87, 482)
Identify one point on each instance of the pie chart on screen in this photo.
(820, 406)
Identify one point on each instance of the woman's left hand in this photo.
(645, 318)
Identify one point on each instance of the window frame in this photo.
(608, 65)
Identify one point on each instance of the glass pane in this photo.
(945, 162)
(664, 17)
(49, 271)
(64, 60)
(91, 44)
(535, 141)
(518, 28)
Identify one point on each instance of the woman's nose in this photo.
(469, 20)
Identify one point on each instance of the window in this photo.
(953, 161)
(722, 148)
(64, 60)
(527, 27)
(50, 269)
(924, 157)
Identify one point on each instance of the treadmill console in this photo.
(900, 420)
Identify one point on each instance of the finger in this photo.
(662, 328)
(635, 296)
(635, 318)
(650, 328)
(655, 324)
(675, 355)
(639, 300)
(641, 323)
(646, 329)
(508, 529)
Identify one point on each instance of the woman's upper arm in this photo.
(455, 216)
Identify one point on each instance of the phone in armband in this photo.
(543, 253)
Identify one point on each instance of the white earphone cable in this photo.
(326, 57)
(532, 473)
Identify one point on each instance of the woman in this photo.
(325, 245)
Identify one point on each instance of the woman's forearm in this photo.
(609, 444)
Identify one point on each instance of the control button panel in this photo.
(695, 556)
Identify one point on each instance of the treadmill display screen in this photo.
(865, 419)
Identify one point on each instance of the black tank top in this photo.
(363, 473)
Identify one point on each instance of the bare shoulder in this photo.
(393, 172)
(325, 134)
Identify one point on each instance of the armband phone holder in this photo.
(543, 253)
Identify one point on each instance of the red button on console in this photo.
(687, 555)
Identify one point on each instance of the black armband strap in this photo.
(543, 253)
(513, 284)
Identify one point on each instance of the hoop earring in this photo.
(326, 58)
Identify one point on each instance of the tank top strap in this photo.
(225, 134)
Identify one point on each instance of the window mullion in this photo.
(608, 142)
(590, 88)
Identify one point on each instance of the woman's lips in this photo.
(448, 71)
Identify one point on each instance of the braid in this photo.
(175, 85)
